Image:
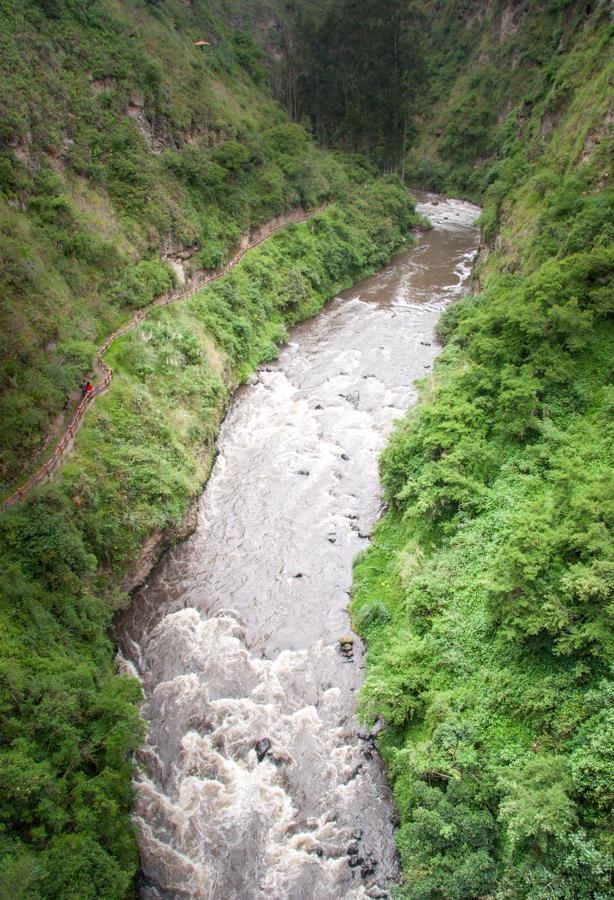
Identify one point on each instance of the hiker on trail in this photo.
(83, 385)
(89, 387)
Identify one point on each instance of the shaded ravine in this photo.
(255, 780)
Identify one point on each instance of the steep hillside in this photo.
(124, 149)
(131, 158)
(500, 75)
(487, 596)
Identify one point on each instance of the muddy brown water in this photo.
(256, 780)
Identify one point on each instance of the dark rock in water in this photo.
(303, 472)
(262, 747)
(395, 820)
(354, 861)
(361, 534)
(427, 367)
(298, 575)
(368, 754)
(353, 849)
(353, 397)
(368, 866)
(425, 344)
(318, 851)
(346, 647)
(278, 759)
(318, 406)
(332, 538)
(345, 457)
(356, 835)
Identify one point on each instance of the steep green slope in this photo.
(487, 597)
(67, 722)
(498, 75)
(123, 146)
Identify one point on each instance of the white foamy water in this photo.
(255, 780)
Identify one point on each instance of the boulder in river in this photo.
(353, 397)
(346, 646)
(262, 747)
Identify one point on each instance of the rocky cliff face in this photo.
(501, 76)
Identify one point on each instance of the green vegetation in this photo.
(357, 76)
(122, 146)
(498, 78)
(67, 723)
(486, 598)
(487, 595)
(122, 143)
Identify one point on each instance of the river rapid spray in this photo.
(255, 780)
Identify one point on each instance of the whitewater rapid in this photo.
(255, 780)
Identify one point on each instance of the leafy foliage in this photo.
(68, 723)
(357, 78)
(122, 146)
(495, 561)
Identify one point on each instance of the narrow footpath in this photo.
(105, 373)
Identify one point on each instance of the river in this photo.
(255, 780)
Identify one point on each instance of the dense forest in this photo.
(486, 598)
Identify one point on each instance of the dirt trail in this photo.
(104, 372)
